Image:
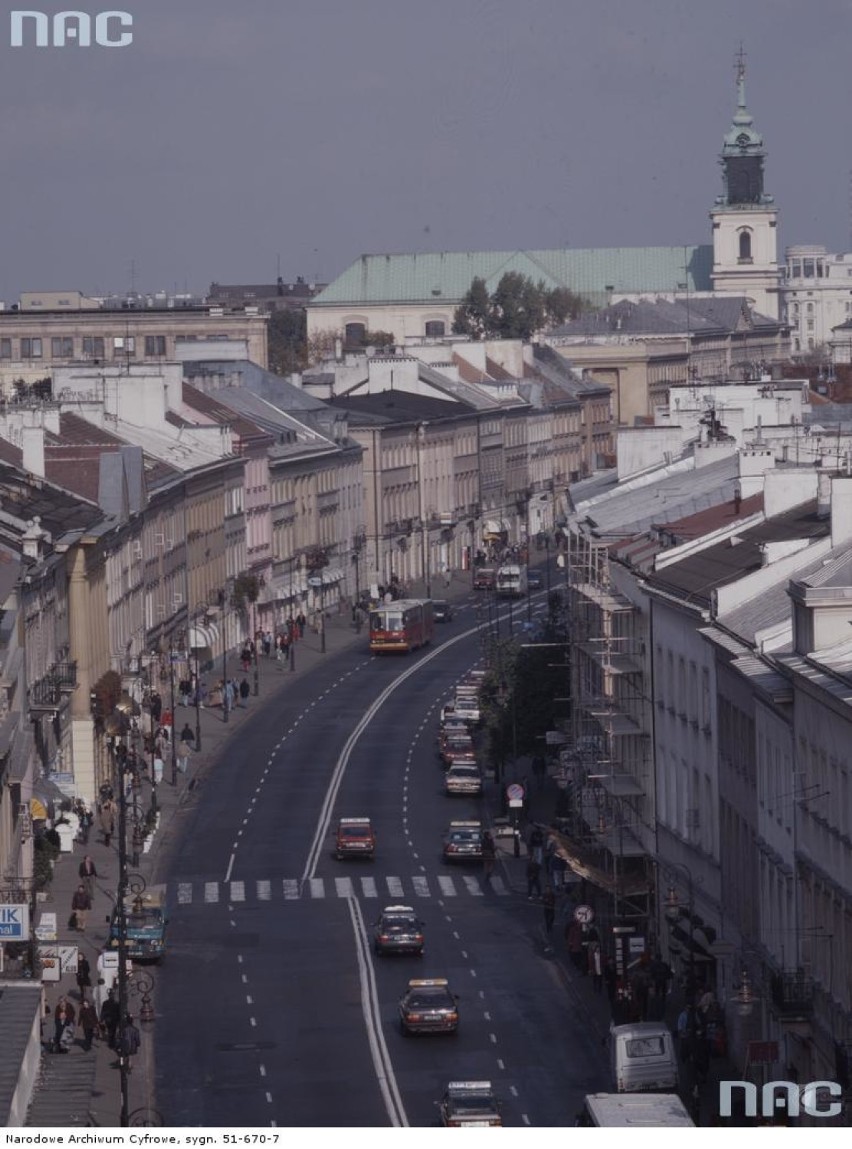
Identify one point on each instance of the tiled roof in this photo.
(208, 405)
(72, 458)
(666, 316)
(445, 277)
(59, 510)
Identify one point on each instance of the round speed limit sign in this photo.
(585, 915)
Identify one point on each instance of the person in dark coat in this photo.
(84, 975)
(63, 1016)
(533, 877)
(548, 902)
(81, 903)
(245, 691)
(88, 1020)
(106, 817)
(88, 873)
(109, 1017)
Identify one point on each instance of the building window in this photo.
(123, 345)
(5, 348)
(810, 325)
(155, 345)
(796, 270)
(745, 245)
(810, 309)
(93, 346)
(435, 329)
(808, 268)
(31, 349)
(62, 347)
(354, 334)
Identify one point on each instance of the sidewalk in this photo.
(83, 1088)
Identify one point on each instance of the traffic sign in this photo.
(585, 915)
(515, 792)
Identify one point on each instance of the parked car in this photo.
(484, 578)
(442, 611)
(534, 580)
(463, 778)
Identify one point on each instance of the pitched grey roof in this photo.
(665, 316)
(770, 608)
(677, 491)
(20, 1005)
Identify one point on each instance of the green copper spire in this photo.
(742, 138)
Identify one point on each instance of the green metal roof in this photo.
(445, 277)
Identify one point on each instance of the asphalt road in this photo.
(272, 1008)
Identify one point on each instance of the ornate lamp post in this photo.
(674, 910)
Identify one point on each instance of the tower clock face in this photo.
(743, 140)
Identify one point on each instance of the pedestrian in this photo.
(183, 691)
(106, 817)
(301, 622)
(661, 973)
(183, 750)
(81, 903)
(109, 1017)
(155, 705)
(128, 1043)
(84, 975)
(187, 734)
(576, 951)
(88, 873)
(610, 978)
(489, 855)
(63, 1019)
(535, 844)
(267, 644)
(245, 691)
(158, 767)
(548, 901)
(533, 878)
(245, 659)
(88, 1020)
(539, 769)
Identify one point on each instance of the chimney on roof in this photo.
(32, 442)
(34, 540)
(738, 500)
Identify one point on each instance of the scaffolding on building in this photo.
(607, 766)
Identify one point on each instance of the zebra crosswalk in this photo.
(417, 886)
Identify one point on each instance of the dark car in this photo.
(398, 931)
(427, 1006)
(442, 611)
(468, 1104)
(534, 580)
(463, 842)
(458, 749)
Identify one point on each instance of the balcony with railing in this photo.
(48, 692)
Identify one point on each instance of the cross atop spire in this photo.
(740, 72)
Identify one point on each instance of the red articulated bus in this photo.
(401, 626)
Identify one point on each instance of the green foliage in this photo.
(287, 341)
(106, 693)
(517, 309)
(246, 589)
(46, 850)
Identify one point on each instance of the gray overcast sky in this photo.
(231, 133)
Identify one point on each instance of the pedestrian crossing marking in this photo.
(294, 889)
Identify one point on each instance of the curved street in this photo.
(272, 1008)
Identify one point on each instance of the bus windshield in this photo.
(379, 621)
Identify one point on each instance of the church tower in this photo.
(745, 235)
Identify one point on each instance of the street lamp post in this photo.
(255, 645)
(225, 712)
(174, 718)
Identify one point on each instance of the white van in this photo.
(636, 1110)
(643, 1057)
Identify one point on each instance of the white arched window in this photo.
(745, 244)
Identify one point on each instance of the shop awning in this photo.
(203, 636)
(494, 528)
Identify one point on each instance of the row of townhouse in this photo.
(159, 514)
(712, 679)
